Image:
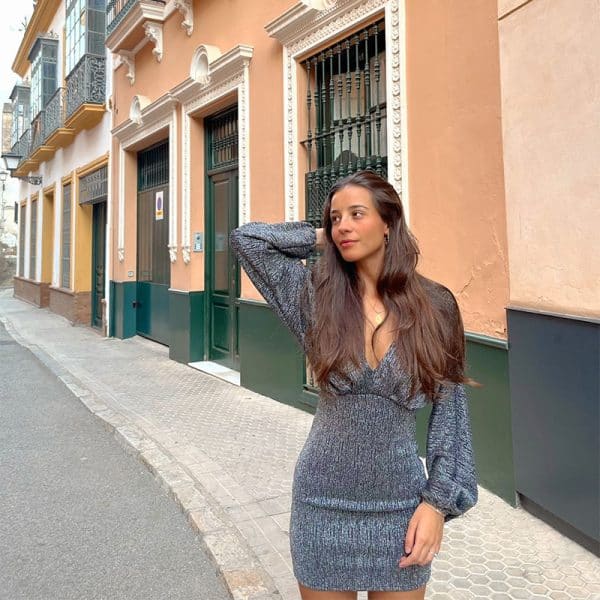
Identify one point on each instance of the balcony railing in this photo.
(86, 84)
(37, 132)
(117, 10)
(54, 114)
(21, 148)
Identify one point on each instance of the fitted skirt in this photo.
(335, 549)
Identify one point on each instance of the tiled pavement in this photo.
(226, 455)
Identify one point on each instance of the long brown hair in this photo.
(430, 336)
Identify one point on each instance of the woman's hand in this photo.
(321, 238)
(423, 537)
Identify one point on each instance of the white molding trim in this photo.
(225, 73)
(154, 32)
(41, 218)
(308, 25)
(186, 8)
(121, 215)
(173, 149)
(128, 59)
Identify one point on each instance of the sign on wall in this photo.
(158, 206)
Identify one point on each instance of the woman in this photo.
(382, 341)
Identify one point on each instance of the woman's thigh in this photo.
(412, 595)
(309, 594)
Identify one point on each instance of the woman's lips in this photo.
(347, 243)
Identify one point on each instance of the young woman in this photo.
(382, 341)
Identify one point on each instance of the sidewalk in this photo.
(226, 455)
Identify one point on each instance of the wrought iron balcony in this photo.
(117, 10)
(86, 84)
(37, 132)
(54, 114)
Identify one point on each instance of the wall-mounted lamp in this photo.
(11, 160)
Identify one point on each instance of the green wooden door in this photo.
(98, 261)
(153, 264)
(222, 278)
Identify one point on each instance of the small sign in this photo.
(198, 241)
(159, 213)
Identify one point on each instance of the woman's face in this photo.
(357, 229)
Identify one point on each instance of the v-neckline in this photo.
(383, 358)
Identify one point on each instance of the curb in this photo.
(176, 468)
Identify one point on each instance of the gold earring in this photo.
(386, 238)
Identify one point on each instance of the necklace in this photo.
(379, 314)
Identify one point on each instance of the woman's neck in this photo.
(368, 272)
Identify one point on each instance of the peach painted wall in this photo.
(245, 25)
(456, 191)
(550, 105)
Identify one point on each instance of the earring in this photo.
(386, 238)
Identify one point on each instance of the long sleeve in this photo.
(452, 483)
(271, 255)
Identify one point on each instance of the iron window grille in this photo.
(346, 113)
(223, 140)
(65, 255)
(93, 188)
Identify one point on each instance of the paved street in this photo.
(81, 518)
(226, 455)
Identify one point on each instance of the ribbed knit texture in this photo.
(359, 478)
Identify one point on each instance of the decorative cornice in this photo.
(154, 32)
(150, 115)
(141, 11)
(128, 59)
(218, 68)
(186, 8)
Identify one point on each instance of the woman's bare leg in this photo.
(309, 594)
(412, 595)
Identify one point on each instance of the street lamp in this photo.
(11, 161)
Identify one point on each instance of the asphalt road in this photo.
(79, 517)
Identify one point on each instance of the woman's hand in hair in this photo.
(423, 537)
(321, 238)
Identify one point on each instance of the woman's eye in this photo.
(357, 213)
(335, 219)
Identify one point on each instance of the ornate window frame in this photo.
(161, 114)
(312, 23)
(212, 76)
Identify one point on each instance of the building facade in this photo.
(61, 136)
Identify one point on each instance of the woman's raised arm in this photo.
(271, 255)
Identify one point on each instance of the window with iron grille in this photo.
(65, 241)
(43, 57)
(33, 239)
(346, 113)
(21, 98)
(23, 220)
(85, 28)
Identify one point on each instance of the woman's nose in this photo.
(344, 224)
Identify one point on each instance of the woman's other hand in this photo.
(321, 238)
(423, 537)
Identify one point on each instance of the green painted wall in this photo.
(186, 324)
(272, 364)
(489, 407)
(122, 311)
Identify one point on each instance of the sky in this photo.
(11, 15)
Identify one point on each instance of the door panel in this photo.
(222, 279)
(98, 261)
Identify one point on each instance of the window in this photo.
(346, 113)
(33, 239)
(23, 220)
(20, 97)
(43, 58)
(65, 255)
(85, 30)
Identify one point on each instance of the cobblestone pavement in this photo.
(227, 455)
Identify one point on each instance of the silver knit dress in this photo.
(359, 478)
